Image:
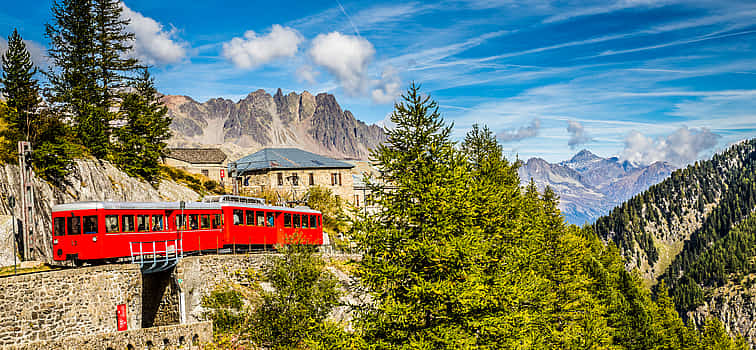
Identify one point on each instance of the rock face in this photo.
(733, 304)
(90, 180)
(589, 186)
(314, 123)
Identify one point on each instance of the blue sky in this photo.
(643, 80)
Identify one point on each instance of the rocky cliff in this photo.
(314, 123)
(88, 180)
(589, 186)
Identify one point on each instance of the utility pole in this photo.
(11, 205)
(27, 196)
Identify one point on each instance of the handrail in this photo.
(151, 257)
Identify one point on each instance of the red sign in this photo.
(223, 173)
(121, 315)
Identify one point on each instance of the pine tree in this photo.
(21, 91)
(73, 78)
(420, 251)
(141, 141)
(112, 45)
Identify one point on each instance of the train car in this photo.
(102, 231)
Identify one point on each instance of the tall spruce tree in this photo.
(112, 44)
(73, 77)
(141, 141)
(21, 91)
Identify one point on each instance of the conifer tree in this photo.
(73, 77)
(20, 89)
(112, 45)
(141, 141)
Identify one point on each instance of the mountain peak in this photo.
(582, 156)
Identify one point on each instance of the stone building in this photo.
(210, 162)
(291, 171)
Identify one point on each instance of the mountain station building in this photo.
(210, 162)
(292, 171)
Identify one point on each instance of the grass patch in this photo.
(8, 270)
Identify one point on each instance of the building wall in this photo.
(213, 170)
(72, 302)
(323, 177)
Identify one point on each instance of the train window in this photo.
(313, 221)
(143, 223)
(238, 217)
(193, 221)
(90, 224)
(127, 223)
(59, 226)
(287, 220)
(260, 218)
(181, 222)
(296, 220)
(250, 217)
(73, 224)
(271, 220)
(205, 221)
(217, 223)
(111, 223)
(157, 223)
(305, 221)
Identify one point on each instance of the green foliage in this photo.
(322, 199)
(290, 315)
(304, 294)
(141, 142)
(7, 149)
(21, 91)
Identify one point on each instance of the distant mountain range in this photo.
(314, 123)
(589, 186)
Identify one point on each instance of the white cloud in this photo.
(307, 73)
(345, 56)
(521, 133)
(679, 148)
(253, 50)
(153, 44)
(387, 88)
(578, 136)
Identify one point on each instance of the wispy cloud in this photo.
(530, 130)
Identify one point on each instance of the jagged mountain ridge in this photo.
(314, 123)
(589, 186)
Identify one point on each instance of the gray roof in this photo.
(286, 158)
(197, 155)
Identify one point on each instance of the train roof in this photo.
(171, 206)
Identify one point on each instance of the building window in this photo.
(295, 179)
(312, 179)
(280, 179)
(335, 179)
(206, 172)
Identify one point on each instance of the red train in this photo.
(101, 231)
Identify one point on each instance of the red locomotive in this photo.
(101, 231)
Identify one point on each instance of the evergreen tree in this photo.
(112, 45)
(21, 91)
(141, 141)
(73, 78)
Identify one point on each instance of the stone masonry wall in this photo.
(71, 302)
(186, 336)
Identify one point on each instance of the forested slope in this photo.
(695, 230)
